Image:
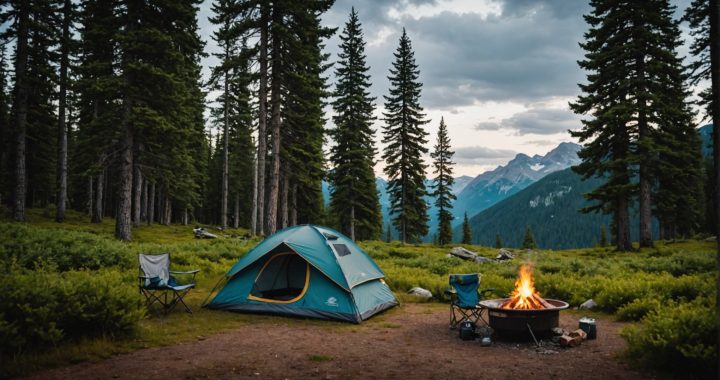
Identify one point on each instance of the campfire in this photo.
(525, 297)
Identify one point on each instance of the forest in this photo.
(104, 110)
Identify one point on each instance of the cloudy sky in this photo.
(501, 72)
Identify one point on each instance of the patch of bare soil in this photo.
(411, 341)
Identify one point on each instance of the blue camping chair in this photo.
(465, 296)
(158, 283)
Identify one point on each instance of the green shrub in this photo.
(680, 337)
(31, 247)
(41, 309)
(639, 308)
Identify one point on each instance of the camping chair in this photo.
(464, 298)
(156, 282)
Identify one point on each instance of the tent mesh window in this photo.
(341, 249)
(283, 278)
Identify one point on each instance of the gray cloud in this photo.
(541, 121)
(481, 155)
(542, 143)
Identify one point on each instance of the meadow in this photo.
(69, 291)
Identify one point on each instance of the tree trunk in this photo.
(62, 105)
(90, 197)
(21, 99)
(254, 208)
(167, 210)
(144, 201)
(715, 89)
(645, 156)
(236, 215)
(623, 225)
(293, 206)
(99, 199)
(352, 222)
(137, 195)
(262, 121)
(275, 124)
(284, 201)
(185, 217)
(123, 219)
(224, 195)
(151, 204)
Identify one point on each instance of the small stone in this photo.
(589, 304)
(482, 260)
(504, 254)
(420, 292)
(559, 331)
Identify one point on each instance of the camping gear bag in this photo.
(467, 330)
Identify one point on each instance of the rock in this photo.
(463, 253)
(504, 254)
(579, 333)
(589, 304)
(482, 260)
(420, 292)
(559, 331)
(711, 238)
(201, 233)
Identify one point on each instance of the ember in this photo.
(524, 297)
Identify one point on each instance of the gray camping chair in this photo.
(158, 283)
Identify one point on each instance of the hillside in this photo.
(550, 206)
(493, 186)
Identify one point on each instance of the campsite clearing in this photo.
(410, 341)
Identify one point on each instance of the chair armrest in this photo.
(187, 272)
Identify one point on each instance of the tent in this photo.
(306, 271)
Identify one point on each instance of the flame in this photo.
(525, 296)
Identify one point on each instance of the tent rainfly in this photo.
(306, 271)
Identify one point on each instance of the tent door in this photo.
(283, 279)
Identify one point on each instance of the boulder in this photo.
(420, 292)
(589, 304)
(201, 233)
(504, 254)
(482, 260)
(463, 253)
(711, 238)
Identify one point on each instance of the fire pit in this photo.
(525, 310)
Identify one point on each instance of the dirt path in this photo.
(410, 342)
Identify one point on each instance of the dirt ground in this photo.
(408, 342)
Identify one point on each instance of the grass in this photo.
(681, 273)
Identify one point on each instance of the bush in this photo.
(31, 247)
(41, 309)
(680, 337)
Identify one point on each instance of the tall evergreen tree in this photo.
(528, 239)
(498, 241)
(406, 139)
(5, 131)
(630, 101)
(354, 199)
(68, 17)
(466, 231)
(704, 19)
(227, 37)
(442, 184)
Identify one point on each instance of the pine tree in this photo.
(68, 16)
(498, 241)
(98, 111)
(5, 131)
(603, 237)
(406, 139)
(629, 101)
(354, 199)
(442, 184)
(388, 233)
(226, 36)
(466, 231)
(528, 239)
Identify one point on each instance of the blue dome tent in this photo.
(306, 271)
